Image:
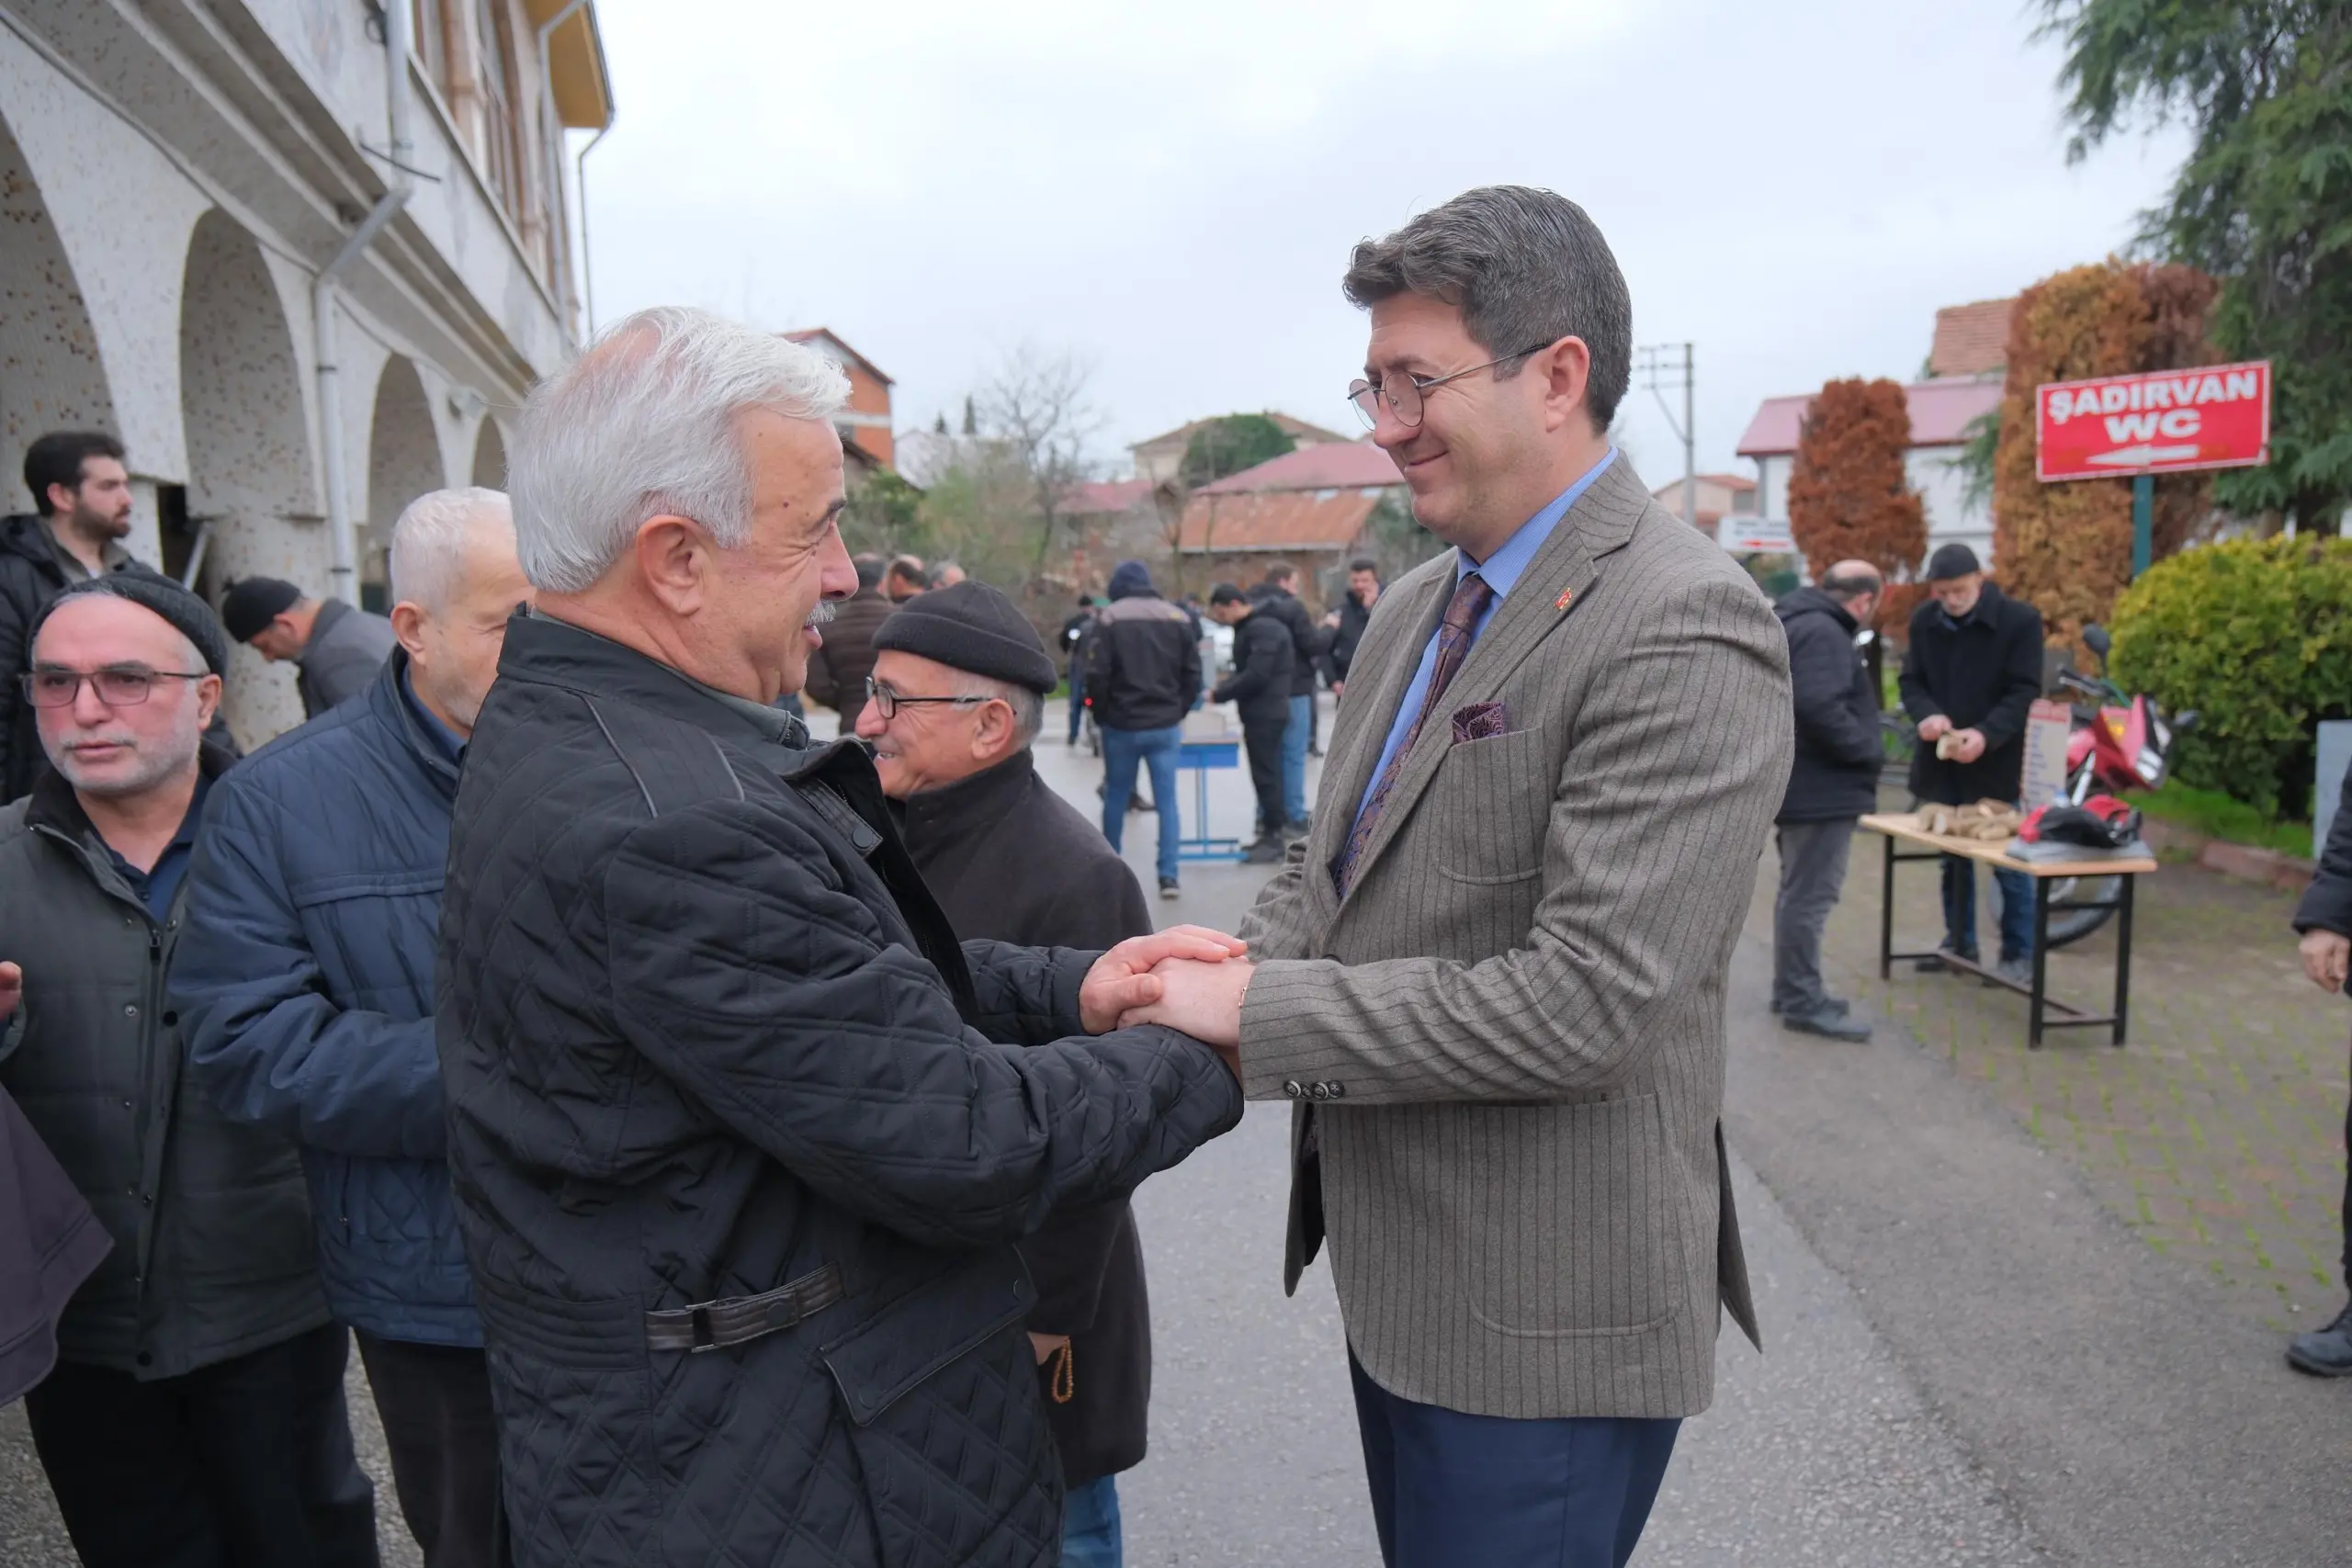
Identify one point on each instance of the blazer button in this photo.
(1339, 1090)
(1319, 1090)
(1292, 1089)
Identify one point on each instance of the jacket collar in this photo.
(1812, 600)
(330, 612)
(54, 808)
(556, 653)
(391, 707)
(969, 806)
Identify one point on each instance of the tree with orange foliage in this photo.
(1848, 496)
(2066, 548)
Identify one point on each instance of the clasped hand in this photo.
(1186, 977)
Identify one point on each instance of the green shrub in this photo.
(2256, 636)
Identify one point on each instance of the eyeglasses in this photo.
(1404, 392)
(888, 702)
(118, 686)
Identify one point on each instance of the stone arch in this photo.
(50, 374)
(403, 462)
(490, 456)
(250, 483)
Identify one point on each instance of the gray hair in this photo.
(644, 424)
(1028, 706)
(430, 540)
(1526, 267)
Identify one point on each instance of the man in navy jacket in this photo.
(305, 985)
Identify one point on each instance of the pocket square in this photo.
(1481, 721)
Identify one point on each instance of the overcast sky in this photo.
(1170, 192)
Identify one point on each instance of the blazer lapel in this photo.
(1559, 578)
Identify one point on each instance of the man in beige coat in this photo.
(1492, 978)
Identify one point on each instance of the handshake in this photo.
(1188, 977)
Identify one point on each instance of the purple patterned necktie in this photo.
(1471, 597)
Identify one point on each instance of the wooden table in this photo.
(1902, 829)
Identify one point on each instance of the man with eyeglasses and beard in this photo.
(196, 1415)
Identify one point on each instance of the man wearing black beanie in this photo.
(957, 698)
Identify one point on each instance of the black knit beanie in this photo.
(974, 629)
(183, 609)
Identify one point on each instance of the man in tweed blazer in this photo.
(1492, 978)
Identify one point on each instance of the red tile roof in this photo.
(1106, 496)
(1942, 413)
(1299, 520)
(1970, 340)
(1339, 465)
(1296, 429)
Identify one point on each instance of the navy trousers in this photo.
(1450, 1489)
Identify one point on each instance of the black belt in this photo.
(710, 1325)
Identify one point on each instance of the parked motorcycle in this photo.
(2121, 742)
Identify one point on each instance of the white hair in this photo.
(642, 425)
(430, 540)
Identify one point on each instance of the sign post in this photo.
(2159, 421)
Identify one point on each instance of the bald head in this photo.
(1857, 585)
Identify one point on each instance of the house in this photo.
(174, 181)
(1158, 458)
(1311, 507)
(1115, 520)
(1719, 496)
(1964, 386)
(865, 423)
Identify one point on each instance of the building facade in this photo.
(303, 258)
(868, 435)
(1313, 508)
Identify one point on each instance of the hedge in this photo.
(2256, 636)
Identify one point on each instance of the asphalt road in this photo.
(1968, 1361)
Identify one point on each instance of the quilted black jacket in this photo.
(703, 1033)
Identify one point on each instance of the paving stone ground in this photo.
(2216, 1133)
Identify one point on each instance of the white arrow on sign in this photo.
(2141, 454)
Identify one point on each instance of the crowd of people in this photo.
(719, 1145)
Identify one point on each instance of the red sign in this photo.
(2165, 421)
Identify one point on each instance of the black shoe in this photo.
(1137, 802)
(1268, 851)
(1298, 829)
(2324, 1352)
(1837, 1005)
(1936, 965)
(2017, 971)
(1168, 888)
(1827, 1024)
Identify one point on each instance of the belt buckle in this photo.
(698, 1326)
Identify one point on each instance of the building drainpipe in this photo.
(342, 535)
(551, 143)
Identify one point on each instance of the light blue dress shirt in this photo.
(1502, 571)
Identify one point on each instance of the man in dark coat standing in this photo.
(1260, 690)
(1832, 783)
(837, 671)
(959, 687)
(741, 1138)
(1346, 622)
(1970, 678)
(1278, 595)
(2324, 920)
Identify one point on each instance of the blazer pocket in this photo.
(1589, 1239)
(1491, 802)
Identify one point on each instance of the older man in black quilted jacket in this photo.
(741, 1136)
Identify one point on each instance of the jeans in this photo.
(1450, 1490)
(1077, 698)
(1960, 908)
(1261, 740)
(1302, 723)
(435, 1403)
(246, 1463)
(1813, 873)
(1123, 750)
(1091, 1526)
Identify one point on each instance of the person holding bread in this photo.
(1970, 677)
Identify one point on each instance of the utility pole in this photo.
(1659, 372)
